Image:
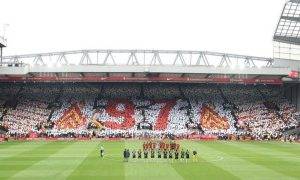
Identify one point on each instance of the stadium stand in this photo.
(135, 110)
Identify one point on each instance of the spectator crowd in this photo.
(152, 110)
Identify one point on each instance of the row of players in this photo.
(166, 154)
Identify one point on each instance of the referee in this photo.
(101, 151)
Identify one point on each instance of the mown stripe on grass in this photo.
(15, 148)
(235, 164)
(266, 150)
(94, 167)
(5, 144)
(292, 148)
(144, 169)
(202, 169)
(278, 161)
(58, 165)
(11, 166)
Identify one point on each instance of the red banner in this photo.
(143, 79)
(203, 137)
(294, 74)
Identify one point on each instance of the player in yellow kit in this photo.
(195, 156)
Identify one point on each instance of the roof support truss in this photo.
(139, 58)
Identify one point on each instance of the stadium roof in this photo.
(288, 28)
(144, 66)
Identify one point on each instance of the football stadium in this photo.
(153, 114)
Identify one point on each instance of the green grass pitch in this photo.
(80, 160)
